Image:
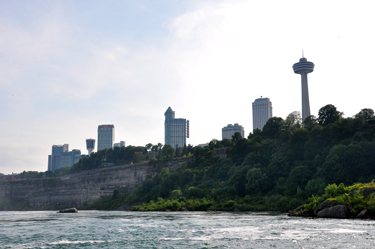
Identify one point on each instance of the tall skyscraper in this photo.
(106, 136)
(54, 160)
(228, 131)
(303, 67)
(174, 130)
(90, 145)
(262, 111)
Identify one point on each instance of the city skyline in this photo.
(68, 66)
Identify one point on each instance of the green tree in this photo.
(149, 146)
(185, 150)
(256, 181)
(271, 128)
(137, 157)
(168, 151)
(328, 114)
(236, 137)
(310, 122)
(367, 113)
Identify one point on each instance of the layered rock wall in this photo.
(80, 189)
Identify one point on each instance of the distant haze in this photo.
(69, 66)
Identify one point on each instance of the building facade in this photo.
(54, 160)
(68, 159)
(174, 129)
(228, 131)
(106, 136)
(120, 144)
(262, 111)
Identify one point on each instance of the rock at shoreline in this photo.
(299, 211)
(184, 209)
(324, 205)
(69, 210)
(339, 211)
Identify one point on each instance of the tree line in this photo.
(276, 168)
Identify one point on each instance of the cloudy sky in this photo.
(68, 66)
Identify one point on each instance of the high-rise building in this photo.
(303, 67)
(106, 136)
(228, 131)
(90, 145)
(174, 129)
(262, 111)
(54, 160)
(120, 144)
(69, 158)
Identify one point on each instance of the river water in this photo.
(101, 229)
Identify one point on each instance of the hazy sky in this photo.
(68, 66)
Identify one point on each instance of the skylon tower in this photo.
(303, 67)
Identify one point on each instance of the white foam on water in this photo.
(62, 242)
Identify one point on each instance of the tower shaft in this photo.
(305, 96)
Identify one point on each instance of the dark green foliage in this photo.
(328, 115)
(274, 169)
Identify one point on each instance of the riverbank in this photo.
(355, 201)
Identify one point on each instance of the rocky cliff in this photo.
(77, 190)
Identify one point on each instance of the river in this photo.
(116, 229)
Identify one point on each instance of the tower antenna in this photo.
(302, 54)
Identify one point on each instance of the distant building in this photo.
(262, 111)
(228, 131)
(54, 160)
(174, 129)
(68, 159)
(203, 145)
(120, 144)
(106, 136)
(90, 145)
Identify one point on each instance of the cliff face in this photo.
(79, 189)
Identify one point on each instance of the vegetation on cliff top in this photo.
(274, 169)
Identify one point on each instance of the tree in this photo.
(256, 132)
(366, 113)
(168, 151)
(271, 128)
(328, 115)
(256, 181)
(149, 146)
(237, 136)
(289, 125)
(310, 122)
(184, 150)
(137, 157)
(155, 148)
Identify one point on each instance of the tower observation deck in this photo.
(303, 67)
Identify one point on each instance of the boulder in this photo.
(69, 210)
(236, 209)
(167, 210)
(367, 191)
(339, 211)
(324, 205)
(299, 211)
(184, 209)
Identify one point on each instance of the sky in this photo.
(68, 66)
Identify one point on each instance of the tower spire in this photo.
(303, 54)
